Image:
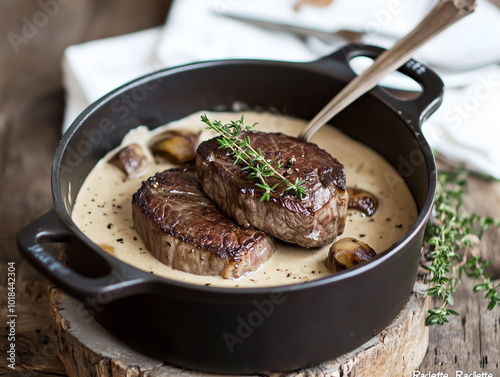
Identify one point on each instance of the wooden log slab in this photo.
(86, 349)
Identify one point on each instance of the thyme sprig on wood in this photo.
(259, 168)
(453, 237)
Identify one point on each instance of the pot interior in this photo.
(297, 90)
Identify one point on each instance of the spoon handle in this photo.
(444, 14)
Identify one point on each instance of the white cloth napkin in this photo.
(465, 129)
(92, 69)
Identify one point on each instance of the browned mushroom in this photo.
(131, 160)
(348, 252)
(362, 200)
(107, 248)
(177, 146)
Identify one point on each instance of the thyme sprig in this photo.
(259, 168)
(453, 237)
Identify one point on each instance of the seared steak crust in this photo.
(315, 220)
(184, 229)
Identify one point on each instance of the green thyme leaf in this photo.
(256, 164)
(453, 237)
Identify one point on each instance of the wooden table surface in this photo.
(31, 108)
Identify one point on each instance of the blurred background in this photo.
(32, 98)
(57, 56)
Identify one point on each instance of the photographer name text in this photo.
(458, 373)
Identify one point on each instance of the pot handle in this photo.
(418, 109)
(110, 285)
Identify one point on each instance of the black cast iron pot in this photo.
(240, 330)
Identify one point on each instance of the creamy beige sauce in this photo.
(103, 209)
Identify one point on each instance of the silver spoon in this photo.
(444, 14)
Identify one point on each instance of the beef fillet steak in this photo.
(184, 229)
(315, 220)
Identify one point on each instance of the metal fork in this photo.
(444, 14)
(336, 35)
